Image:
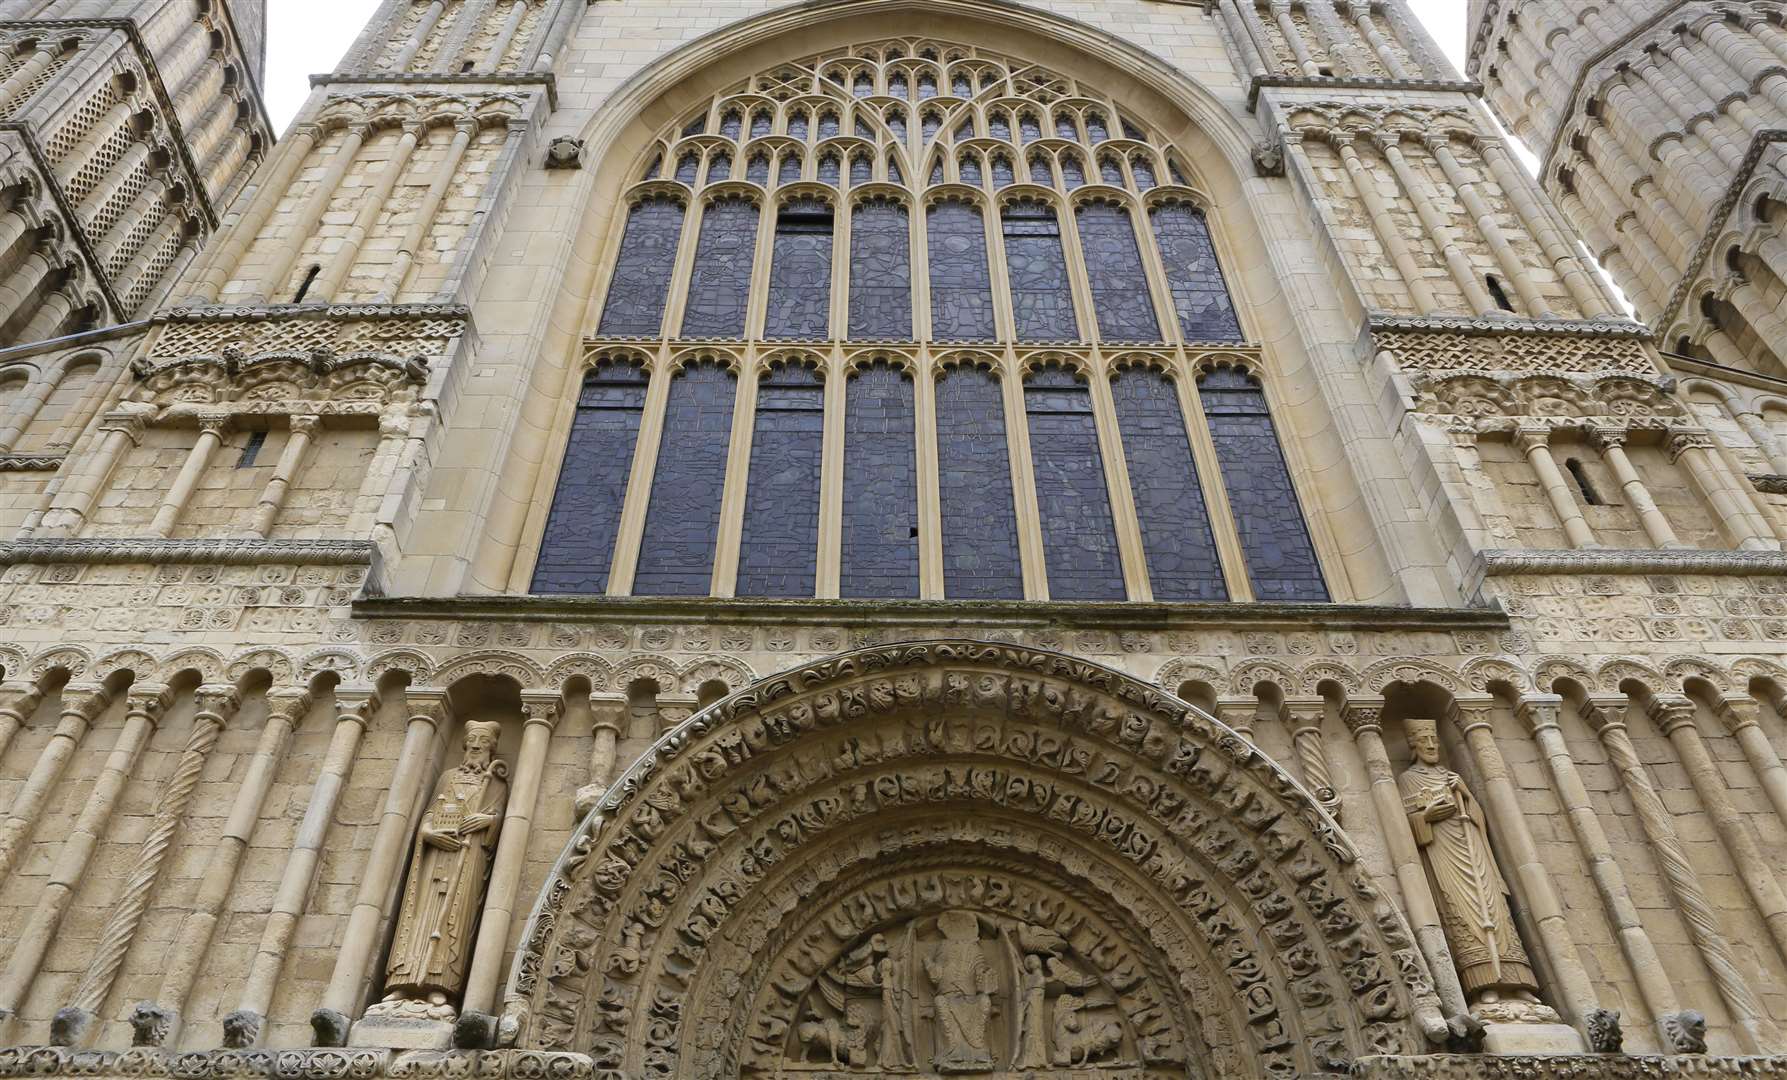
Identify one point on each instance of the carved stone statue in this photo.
(1469, 890)
(964, 980)
(448, 872)
(1033, 1032)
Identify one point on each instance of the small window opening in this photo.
(1583, 483)
(256, 440)
(304, 286)
(1496, 291)
(465, 67)
(1325, 71)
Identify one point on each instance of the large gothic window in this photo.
(948, 298)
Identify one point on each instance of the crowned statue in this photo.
(1469, 890)
(448, 871)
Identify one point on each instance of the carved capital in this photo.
(147, 700)
(1680, 442)
(1303, 714)
(84, 701)
(1605, 714)
(288, 705)
(1671, 712)
(19, 700)
(304, 425)
(608, 714)
(127, 423)
(1737, 713)
(538, 708)
(1531, 437)
(467, 125)
(1604, 438)
(215, 423)
(217, 702)
(428, 707)
(1363, 715)
(1472, 712)
(1538, 712)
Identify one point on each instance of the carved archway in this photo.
(889, 838)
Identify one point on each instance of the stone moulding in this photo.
(230, 552)
(912, 613)
(1500, 562)
(1572, 1066)
(1363, 82)
(307, 1064)
(1770, 484)
(31, 462)
(1715, 228)
(1469, 324)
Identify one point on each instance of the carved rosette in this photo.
(925, 820)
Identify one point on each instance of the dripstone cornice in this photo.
(231, 552)
(1470, 324)
(1361, 82)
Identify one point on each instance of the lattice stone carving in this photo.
(1586, 354)
(404, 331)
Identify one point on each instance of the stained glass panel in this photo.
(1079, 538)
(578, 546)
(676, 555)
(1176, 537)
(720, 282)
(778, 552)
(980, 522)
(1041, 294)
(641, 284)
(880, 271)
(880, 537)
(1119, 285)
(800, 272)
(1281, 560)
(961, 287)
(1200, 298)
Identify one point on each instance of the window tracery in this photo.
(977, 200)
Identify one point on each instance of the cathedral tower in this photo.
(846, 538)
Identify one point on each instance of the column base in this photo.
(404, 1025)
(1533, 1039)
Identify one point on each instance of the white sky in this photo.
(306, 36)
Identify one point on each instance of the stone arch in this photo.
(1074, 812)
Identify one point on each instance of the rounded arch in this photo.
(953, 799)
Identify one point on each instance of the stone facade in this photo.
(350, 726)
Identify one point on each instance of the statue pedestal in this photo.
(404, 1025)
(1537, 1039)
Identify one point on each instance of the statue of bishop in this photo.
(448, 871)
(1469, 890)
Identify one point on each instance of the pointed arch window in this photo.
(641, 281)
(1041, 292)
(800, 272)
(880, 535)
(1120, 294)
(578, 547)
(1200, 297)
(961, 285)
(676, 555)
(1163, 478)
(720, 282)
(880, 271)
(980, 523)
(1079, 535)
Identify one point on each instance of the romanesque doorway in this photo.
(961, 858)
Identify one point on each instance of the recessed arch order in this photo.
(920, 855)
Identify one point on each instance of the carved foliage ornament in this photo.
(1024, 857)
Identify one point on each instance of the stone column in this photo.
(1587, 293)
(123, 429)
(1674, 716)
(608, 715)
(1395, 245)
(266, 511)
(211, 431)
(192, 941)
(1439, 144)
(464, 130)
(340, 262)
(1752, 423)
(308, 218)
(79, 706)
(1611, 442)
(18, 700)
(70, 164)
(1380, 45)
(53, 309)
(1738, 714)
(38, 63)
(1539, 712)
(1239, 715)
(412, 45)
(23, 412)
(1245, 43)
(1739, 517)
(505, 36)
(242, 1027)
(540, 715)
(1464, 272)
(384, 863)
(21, 289)
(294, 151)
(393, 430)
(1502, 799)
(1605, 716)
(1293, 38)
(214, 705)
(1304, 716)
(75, 853)
(1363, 718)
(1535, 443)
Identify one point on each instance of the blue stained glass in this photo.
(1064, 126)
(965, 131)
(760, 123)
(720, 282)
(720, 168)
(757, 172)
(1143, 171)
(828, 169)
(927, 86)
(936, 173)
(1095, 128)
(1130, 131)
(778, 553)
(961, 286)
(863, 86)
(828, 125)
(880, 536)
(932, 123)
(578, 546)
(676, 553)
(641, 284)
(789, 172)
(1029, 127)
(960, 85)
(1041, 295)
(797, 125)
(687, 168)
(999, 126)
(1073, 174)
(896, 84)
(1119, 284)
(1281, 561)
(1200, 297)
(1040, 173)
(862, 170)
(1079, 537)
(1176, 536)
(1173, 171)
(800, 272)
(893, 171)
(896, 123)
(980, 521)
(863, 130)
(1110, 171)
(696, 126)
(730, 125)
(880, 271)
(1002, 174)
(970, 168)
(652, 170)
